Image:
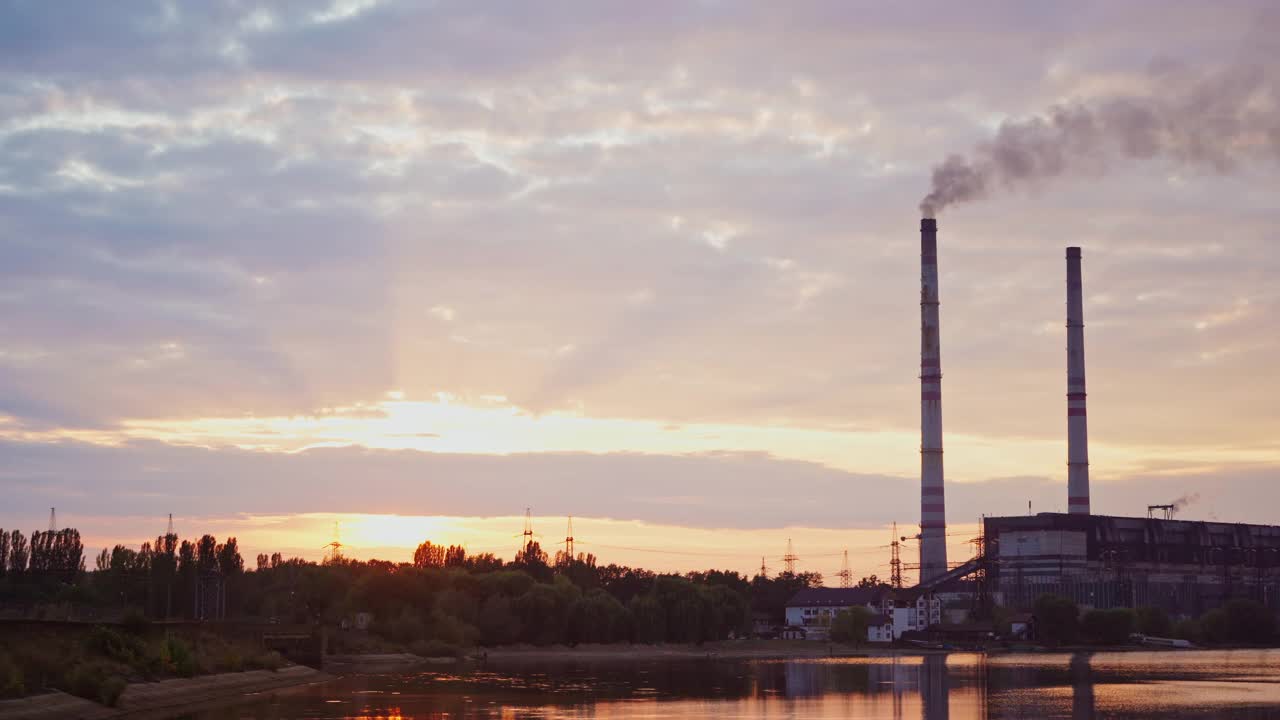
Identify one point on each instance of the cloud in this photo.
(214, 211)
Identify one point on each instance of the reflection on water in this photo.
(1234, 684)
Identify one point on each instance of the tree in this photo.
(17, 552)
(455, 556)
(1239, 622)
(206, 554)
(1057, 619)
(229, 561)
(1108, 627)
(483, 563)
(429, 555)
(1153, 621)
(533, 560)
(4, 552)
(850, 625)
(871, 582)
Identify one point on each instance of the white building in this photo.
(899, 610)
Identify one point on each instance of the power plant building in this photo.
(1100, 561)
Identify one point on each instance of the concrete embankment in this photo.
(163, 699)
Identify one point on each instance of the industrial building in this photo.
(1185, 567)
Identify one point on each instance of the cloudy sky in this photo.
(417, 266)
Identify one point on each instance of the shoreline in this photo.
(164, 698)
(767, 650)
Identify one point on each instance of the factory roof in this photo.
(835, 597)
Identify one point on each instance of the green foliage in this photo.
(1108, 627)
(1153, 621)
(178, 657)
(850, 625)
(96, 680)
(1239, 622)
(11, 680)
(115, 646)
(1188, 630)
(270, 660)
(648, 619)
(497, 622)
(1057, 619)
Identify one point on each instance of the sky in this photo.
(414, 267)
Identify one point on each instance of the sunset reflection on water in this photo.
(1234, 684)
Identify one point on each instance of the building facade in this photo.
(1099, 561)
(894, 611)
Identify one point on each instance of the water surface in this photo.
(1230, 684)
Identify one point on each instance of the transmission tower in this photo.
(568, 539)
(895, 561)
(846, 577)
(789, 560)
(334, 548)
(169, 530)
(53, 519)
(528, 529)
(764, 571)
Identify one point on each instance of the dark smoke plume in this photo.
(1184, 501)
(1213, 122)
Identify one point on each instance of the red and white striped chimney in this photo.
(1077, 425)
(933, 516)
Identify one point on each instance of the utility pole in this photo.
(789, 560)
(846, 577)
(895, 561)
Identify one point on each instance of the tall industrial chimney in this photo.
(1077, 427)
(933, 516)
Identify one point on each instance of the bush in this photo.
(1188, 630)
(1057, 619)
(271, 660)
(1108, 627)
(179, 658)
(1153, 621)
(11, 681)
(96, 680)
(112, 645)
(850, 625)
(1239, 622)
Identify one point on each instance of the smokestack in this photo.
(1077, 427)
(933, 516)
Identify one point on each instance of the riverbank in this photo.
(163, 699)
(727, 650)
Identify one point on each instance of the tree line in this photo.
(1059, 621)
(57, 553)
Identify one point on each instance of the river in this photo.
(1228, 684)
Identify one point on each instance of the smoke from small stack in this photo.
(1214, 122)
(1184, 501)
